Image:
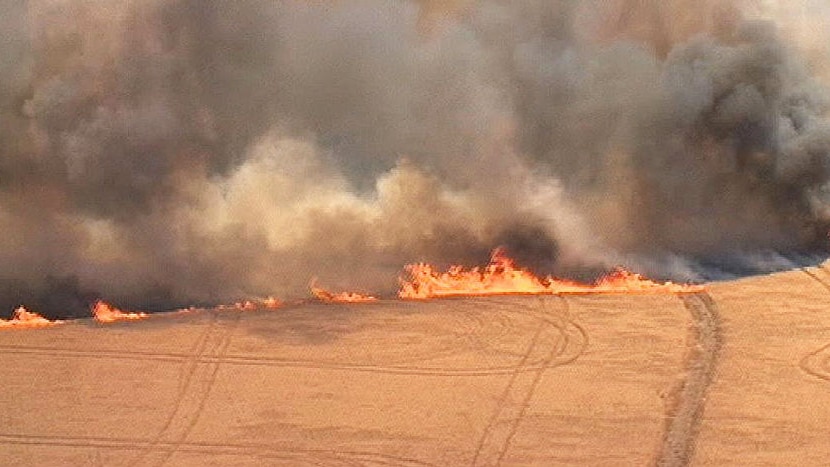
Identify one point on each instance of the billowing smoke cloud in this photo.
(174, 152)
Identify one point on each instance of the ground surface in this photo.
(739, 375)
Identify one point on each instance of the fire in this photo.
(249, 305)
(623, 280)
(245, 305)
(501, 276)
(342, 297)
(22, 318)
(106, 313)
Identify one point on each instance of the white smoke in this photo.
(170, 152)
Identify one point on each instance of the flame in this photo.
(501, 276)
(106, 313)
(622, 280)
(245, 305)
(342, 297)
(22, 318)
(249, 305)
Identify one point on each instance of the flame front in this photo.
(22, 318)
(341, 297)
(625, 281)
(106, 313)
(270, 303)
(501, 276)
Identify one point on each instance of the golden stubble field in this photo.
(736, 375)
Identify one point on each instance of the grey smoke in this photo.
(173, 152)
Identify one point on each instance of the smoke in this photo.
(173, 152)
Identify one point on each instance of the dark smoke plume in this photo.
(160, 153)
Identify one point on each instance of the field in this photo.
(738, 374)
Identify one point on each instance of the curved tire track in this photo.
(815, 277)
(203, 361)
(207, 357)
(555, 343)
(817, 363)
(684, 421)
(196, 351)
(187, 413)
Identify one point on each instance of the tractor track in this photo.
(558, 341)
(471, 334)
(816, 278)
(817, 363)
(683, 422)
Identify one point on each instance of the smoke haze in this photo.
(161, 153)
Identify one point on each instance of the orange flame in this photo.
(342, 297)
(248, 305)
(625, 281)
(23, 318)
(245, 305)
(502, 276)
(106, 313)
(271, 303)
